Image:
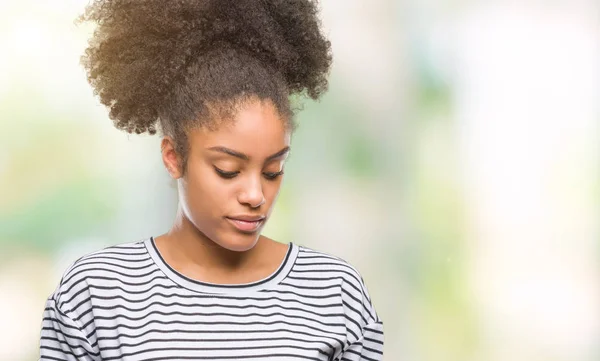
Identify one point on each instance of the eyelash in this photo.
(230, 175)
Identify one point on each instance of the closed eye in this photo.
(273, 176)
(225, 174)
(229, 175)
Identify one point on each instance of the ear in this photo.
(170, 158)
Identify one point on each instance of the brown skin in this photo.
(203, 243)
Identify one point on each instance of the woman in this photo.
(215, 77)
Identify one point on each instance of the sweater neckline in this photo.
(206, 287)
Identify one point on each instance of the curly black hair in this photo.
(190, 63)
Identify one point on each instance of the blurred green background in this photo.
(454, 161)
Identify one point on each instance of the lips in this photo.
(246, 223)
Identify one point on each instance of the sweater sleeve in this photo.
(62, 338)
(364, 328)
(368, 347)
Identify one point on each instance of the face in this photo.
(233, 175)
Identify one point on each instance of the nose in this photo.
(252, 194)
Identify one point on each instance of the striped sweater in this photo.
(126, 303)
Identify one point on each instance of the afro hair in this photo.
(179, 62)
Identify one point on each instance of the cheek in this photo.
(203, 195)
(271, 190)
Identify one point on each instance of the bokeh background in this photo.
(455, 162)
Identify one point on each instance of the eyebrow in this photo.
(246, 157)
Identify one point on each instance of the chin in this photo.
(240, 242)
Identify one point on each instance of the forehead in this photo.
(257, 129)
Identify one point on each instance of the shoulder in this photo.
(359, 310)
(354, 290)
(113, 261)
(313, 260)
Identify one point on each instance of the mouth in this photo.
(246, 226)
